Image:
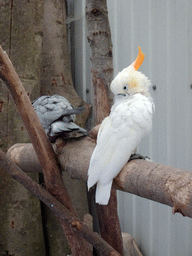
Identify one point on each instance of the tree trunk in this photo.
(57, 79)
(5, 15)
(99, 38)
(20, 214)
(56, 72)
(109, 223)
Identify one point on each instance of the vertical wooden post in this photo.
(57, 79)
(99, 38)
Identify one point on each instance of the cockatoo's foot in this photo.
(138, 156)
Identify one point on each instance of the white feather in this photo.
(103, 189)
(121, 132)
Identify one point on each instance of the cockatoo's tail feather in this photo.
(139, 60)
(103, 192)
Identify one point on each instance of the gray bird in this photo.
(57, 116)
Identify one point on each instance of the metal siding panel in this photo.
(188, 109)
(163, 30)
(80, 48)
(81, 57)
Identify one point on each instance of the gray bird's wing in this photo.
(59, 127)
(55, 112)
(51, 108)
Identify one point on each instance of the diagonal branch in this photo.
(43, 149)
(99, 38)
(60, 210)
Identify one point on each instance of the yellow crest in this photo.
(139, 60)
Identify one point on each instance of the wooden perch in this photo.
(160, 183)
(60, 210)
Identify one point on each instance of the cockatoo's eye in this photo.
(125, 87)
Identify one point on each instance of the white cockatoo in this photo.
(57, 116)
(120, 133)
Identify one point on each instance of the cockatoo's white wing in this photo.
(119, 135)
(103, 141)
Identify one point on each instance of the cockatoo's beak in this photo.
(139, 60)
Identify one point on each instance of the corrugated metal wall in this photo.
(163, 29)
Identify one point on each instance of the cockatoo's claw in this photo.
(138, 156)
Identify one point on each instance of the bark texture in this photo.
(57, 79)
(62, 212)
(21, 230)
(160, 183)
(130, 246)
(27, 30)
(109, 223)
(56, 72)
(5, 7)
(44, 151)
(99, 38)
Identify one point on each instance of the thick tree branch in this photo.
(56, 78)
(99, 38)
(160, 183)
(56, 75)
(60, 210)
(43, 149)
